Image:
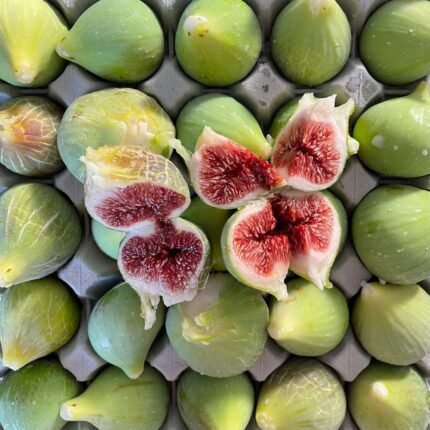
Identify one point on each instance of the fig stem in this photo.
(24, 73)
(319, 6)
(74, 411)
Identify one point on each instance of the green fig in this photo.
(224, 115)
(311, 41)
(40, 231)
(218, 43)
(395, 42)
(107, 239)
(28, 35)
(117, 331)
(118, 41)
(110, 117)
(394, 135)
(28, 136)
(36, 318)
(30, 398)
(115, 402)
(215, 403)
(391, 233)
(385, 397)
(282, 117)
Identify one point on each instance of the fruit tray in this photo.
(90, 273)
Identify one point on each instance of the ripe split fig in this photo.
(311, 149)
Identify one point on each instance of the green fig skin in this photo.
(218, 43)
(30, 398)
(394, 135)
(391, 233)
(392, 321)
(110, 117)
(107, 239)
(301, 394)
(282, 117)
(224, 115)
(117, 331)
(395, 42)
(222, 332)
(311, 41)
(40, 231)
(117, 41)
(36, 318)
(385, 397)
(115, 402)
(28, 36)
(215, 403)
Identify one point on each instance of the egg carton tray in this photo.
(90, 273)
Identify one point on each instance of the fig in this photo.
(40, 231)
(222, 331)
(170, 259)
(117, 332)
(115, 402)
(215, 403)
(30, 398)
(27, 332)
(385, 397)
(211, 220)
(391, 233)
(226, 175)
(290, 229)
(395, 42)
(218, 43)
(311, 41)
(110, 117)
(309, 322)
(394, 136)
(107, 239)
(311, 149)
(118, 41)
(28, 136)
(127, 187)
(301, 394)
(225, 116)
(392, 321)
(27, 42)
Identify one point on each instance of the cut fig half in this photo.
(168, 259)
(127, 187)
(311, 150)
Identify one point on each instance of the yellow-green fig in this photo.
(29, 32)
(107, 239)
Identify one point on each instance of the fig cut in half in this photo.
(288, 230)
(311, 150)
(169, 258)
(127, 187)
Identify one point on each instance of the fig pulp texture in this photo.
(222, 331)
(28, 36)
(395, 42)
(127, 187)
(311, 149)
(391, 233)
(30, 398)
(117, 331)
(118, 41)
(170, 259)
(110, 117)
(394, 135)
(218, 43)
(115, 402)
(40, 231)
(311, 41)
(28, 136)
(107, 239)
(302, 394)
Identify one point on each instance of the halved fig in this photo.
(227, 175)
(127, 187)
(311, 150)
(169, 258)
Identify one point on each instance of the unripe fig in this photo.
(107, 239)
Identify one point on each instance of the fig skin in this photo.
(394, 135)
(218, 43)
(395, 42)
(117, 41)
(107, 239)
